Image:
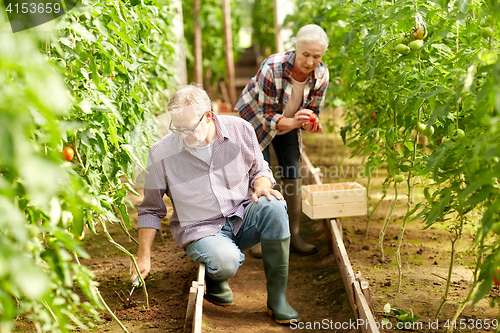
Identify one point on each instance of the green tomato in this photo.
(384, 190)
(416, 45)
(399, 178)
(445, 140)
(458, 134)
(429, 131)
(400, 39)
(370, 209)
(495, 228)
(420, 127)
(402, 49)
(486, 32)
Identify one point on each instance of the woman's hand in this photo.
(312, 124)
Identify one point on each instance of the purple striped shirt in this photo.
(202, 194)
(265, 97)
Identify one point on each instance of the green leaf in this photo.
(121, 34)
(82, 31)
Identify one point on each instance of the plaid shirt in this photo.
(202, 194)
(265, 97)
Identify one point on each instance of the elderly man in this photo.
(212, 169)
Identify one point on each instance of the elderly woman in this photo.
(283, 98)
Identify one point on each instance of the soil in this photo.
(315, 286)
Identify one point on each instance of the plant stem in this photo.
(131, 257)
(450, 268)
(400, 237)
(122, 225)
(109, 310)
(371, 214)
(387, 219)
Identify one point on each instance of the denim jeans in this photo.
(221, 253)
(287, 151)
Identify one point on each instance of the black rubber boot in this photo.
(218, 292)
(275, 254)
(292, 195)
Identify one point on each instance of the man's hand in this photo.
(146, 238)
(262, 186)
(144, 264)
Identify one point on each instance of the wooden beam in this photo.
(198, 66)
(188, 323)
(357, 299)
(228, 48)
(198, 310)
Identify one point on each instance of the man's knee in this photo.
(273, 206)
(275, 216)
(224, 264)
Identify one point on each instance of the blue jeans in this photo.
(221, 253)
(287, 151)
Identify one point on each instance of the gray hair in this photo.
(311, 33)
(193, 95)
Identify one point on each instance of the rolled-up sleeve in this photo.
(152, 209)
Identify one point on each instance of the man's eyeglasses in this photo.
(189, 131)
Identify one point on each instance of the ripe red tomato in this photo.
(312, 118)
(495, 278)
(373, 116)
(68, 153)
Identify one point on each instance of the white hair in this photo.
(192, 95)
(311, 33)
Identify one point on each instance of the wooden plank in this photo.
(338, 220)
(334, 210)
(333, 193)
(188, 322)
(201, 274)
(198, 310)
(356, 297)
(343, 264)
(365, 289)
(364, 312)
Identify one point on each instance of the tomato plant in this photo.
(94, 83)
(450, 85)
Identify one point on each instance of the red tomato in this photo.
(373, 116)
(495, 279)
(312, 118)
(68, 153)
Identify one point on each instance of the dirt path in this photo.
(315, 288)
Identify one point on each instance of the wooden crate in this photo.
(333, 200)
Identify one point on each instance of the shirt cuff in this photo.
(148, 221)
(274, 121)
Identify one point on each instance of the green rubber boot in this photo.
(218, 292)
(275, 253)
